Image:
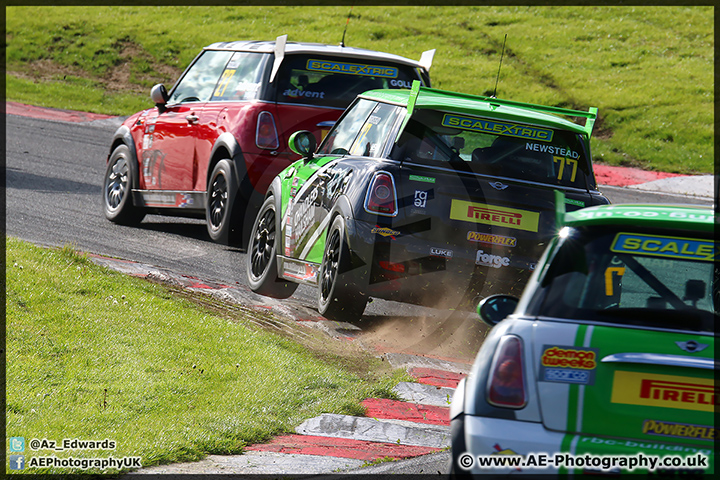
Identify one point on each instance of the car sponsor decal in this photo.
(151, 174)
(153, 198)
(621, 446)
(303, 215)
(298, 271)
(497, 128)
(568, 364)
(296, 183)
(491, 239)
(159, 199)
(401, 83)
(297, 93)
(352, 68)
(418, 178)
(678, 430)
(184, 200)
(489, 260)
(385, 232)
(494, 215)
(661, 246)
(441, 252)
(421, 197)
(646, 212)
(505, 451)
(668, 391)
(305, 191)
(570, 201)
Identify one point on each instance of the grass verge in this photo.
(93, 355)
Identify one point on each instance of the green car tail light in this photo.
(506, 383)
(381, 198)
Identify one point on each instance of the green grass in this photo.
(648, 69)
(93, 354)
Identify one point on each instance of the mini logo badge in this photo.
(498, 185)
(692, 346)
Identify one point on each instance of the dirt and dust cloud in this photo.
(453, 336)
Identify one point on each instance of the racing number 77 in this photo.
(569, 161)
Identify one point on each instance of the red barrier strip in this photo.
(393, 409)
(339, 447)
(439, 378)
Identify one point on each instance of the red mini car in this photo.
(212, 145)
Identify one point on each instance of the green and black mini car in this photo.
(422, 196)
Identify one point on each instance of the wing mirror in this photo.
(159, 96)
(495, 308)
(303, 143)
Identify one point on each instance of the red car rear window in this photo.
(336, 81)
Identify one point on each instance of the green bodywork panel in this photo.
(656, 216)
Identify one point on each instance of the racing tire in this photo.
(337, 298)
(457, 444)
(221, 192)
(261, 257)
(117, 189)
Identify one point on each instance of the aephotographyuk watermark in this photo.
(19, 461)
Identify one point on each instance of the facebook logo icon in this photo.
(17, 462)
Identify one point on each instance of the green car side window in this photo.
(341, 137)
(373, 134)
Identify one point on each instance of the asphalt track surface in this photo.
(55, 162)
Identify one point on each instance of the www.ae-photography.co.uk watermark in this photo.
(602, 463)
(18, 460)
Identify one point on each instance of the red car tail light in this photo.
(506, 383)
(381, 198)
(266, 133)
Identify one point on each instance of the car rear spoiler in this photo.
(590, 115)
(279, 55)
(426, 59)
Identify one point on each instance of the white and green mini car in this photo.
(606, 362)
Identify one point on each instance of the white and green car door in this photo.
(311, 187)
